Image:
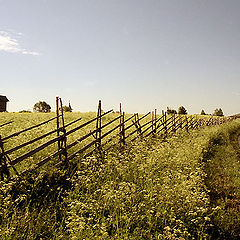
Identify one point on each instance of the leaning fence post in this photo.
(122, 127)
(181, 123)
(98, 127)
(165, 123)
(186, 126)
(64, 138)
(153, 123)
(58, 130)
(3, 164)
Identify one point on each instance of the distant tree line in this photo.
(217, 112)
(182, 110)
(44, 107)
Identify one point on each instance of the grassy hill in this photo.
(183, 187)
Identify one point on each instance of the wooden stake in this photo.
(58, 131)
(64, 140)
(98, 127)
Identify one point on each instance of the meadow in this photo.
(184, 186)
(25, 120)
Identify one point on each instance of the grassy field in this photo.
(25, 120)
(183, 187)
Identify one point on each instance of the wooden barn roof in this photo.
(3, 99)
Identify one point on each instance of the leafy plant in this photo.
(41, 106)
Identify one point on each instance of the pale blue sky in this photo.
(144, 53)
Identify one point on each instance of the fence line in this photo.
(164, 125)
(4, 124)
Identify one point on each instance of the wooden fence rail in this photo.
(4, 124)
(122, 130)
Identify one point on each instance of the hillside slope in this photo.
(159, 189)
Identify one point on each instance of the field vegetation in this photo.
(183, 186)
(25, 120)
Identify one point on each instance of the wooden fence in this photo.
(120, 130)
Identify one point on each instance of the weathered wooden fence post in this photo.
(186, 125)
(98, 127)
(58, 128)
(165, 123)
(64, 138)
(155, 122)
(3, 163)
(62, 142)
(122, 127)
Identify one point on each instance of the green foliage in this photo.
(171, 111)
(33, 207)
(202, 112)
(153, 189)
(67, 109)
(41, 106)
(182, 110)
(223, 171)
(218, 112)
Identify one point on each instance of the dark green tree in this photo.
(203, 113)
(41, 106)
(218, 112)
(182, 110)
(67, 109)
(171, 111)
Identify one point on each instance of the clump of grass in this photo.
(153, 189)
(223, 174)
(150, 191)
(32, 207)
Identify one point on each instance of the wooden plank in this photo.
(188, 121)
(160, 119)
(146, 129)
(180, 124)
(30, 153)
(138, 120)
(164, 123)
(38, 138)
(142, 131)
(41, 147)
(58, 124)
(64, 139)
(42, 162)
(4, 124)
(27, 129)
(90, 134)
(86, 123)
(92, 143)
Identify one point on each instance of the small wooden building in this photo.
(3, 103)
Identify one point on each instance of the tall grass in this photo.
(155, 189)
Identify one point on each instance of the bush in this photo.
(203, 112)
(171, 111)
(41, 106)
(182, 110)
(218, 112)
(67, 109)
